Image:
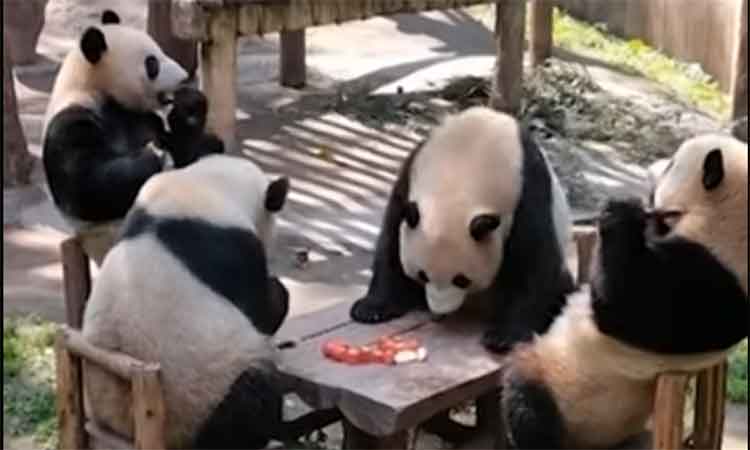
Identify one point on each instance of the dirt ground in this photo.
(341, 167)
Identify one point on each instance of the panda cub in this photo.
(188, 286)
(187, 140)
(99, 120)
(476, 215)
(668, 293)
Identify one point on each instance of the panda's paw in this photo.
(502, 341)
(367, 310)
(623, 215)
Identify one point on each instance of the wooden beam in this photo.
(219, 74)
(70, 413)
(149, 409)
(507, 86)
(293, 65)
(76, 280)
(739, 64)
(710, 395)
(669, 409)
(541, 31)
(119, 364)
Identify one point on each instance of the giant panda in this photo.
(476, 213)
(100, 116)
(187, 286)
(668, 293)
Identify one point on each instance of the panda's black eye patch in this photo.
(461, 282)
(152, 67)
(423, 277)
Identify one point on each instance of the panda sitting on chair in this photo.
(590, 381)
(188, 286)
(100, 118)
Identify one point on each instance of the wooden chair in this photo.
(76, 431)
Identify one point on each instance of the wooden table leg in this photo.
(219, 74)
(293, 68)
(489, 417)
(710, 395)
(356, 439)
(507, 87)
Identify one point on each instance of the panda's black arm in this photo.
(113, 182)
(391, 293)
(664, 294)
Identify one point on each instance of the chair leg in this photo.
(669, 411)
(710, 397)
(70, 413)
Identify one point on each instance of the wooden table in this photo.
(382, 404)
(217, 24)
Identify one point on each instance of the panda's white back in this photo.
(151, 308)
(146, 303)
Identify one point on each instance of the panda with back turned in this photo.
(476, 214)
(99, 120)
(590, 381)
(188, 286)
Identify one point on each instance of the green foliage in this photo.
(687, 81)
(737, 380)
(28, 380)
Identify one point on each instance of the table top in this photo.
(380, 399)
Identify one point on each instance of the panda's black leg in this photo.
(531, 415)
(527, 313)
(246, 417)
(391, 293)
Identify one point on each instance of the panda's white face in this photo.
(130, 67)
(465, 185)
(455, 256)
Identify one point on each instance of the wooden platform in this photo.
(217, 24)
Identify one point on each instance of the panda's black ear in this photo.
(411, 214)
(713, 169)
(109, 16)
(482, 225)
(276, 194)
(93, 44)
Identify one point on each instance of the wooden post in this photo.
(585, 238)
(219, 74)
(541, 31)
(76, 280)
(510, 23)
(356, 439)
(148, 409)
(669, 409)
(710, 395)
(293, 66)
(739, 63)
(159, 26)
(17, 161)
(70, 413)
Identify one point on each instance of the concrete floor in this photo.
(341, 170)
